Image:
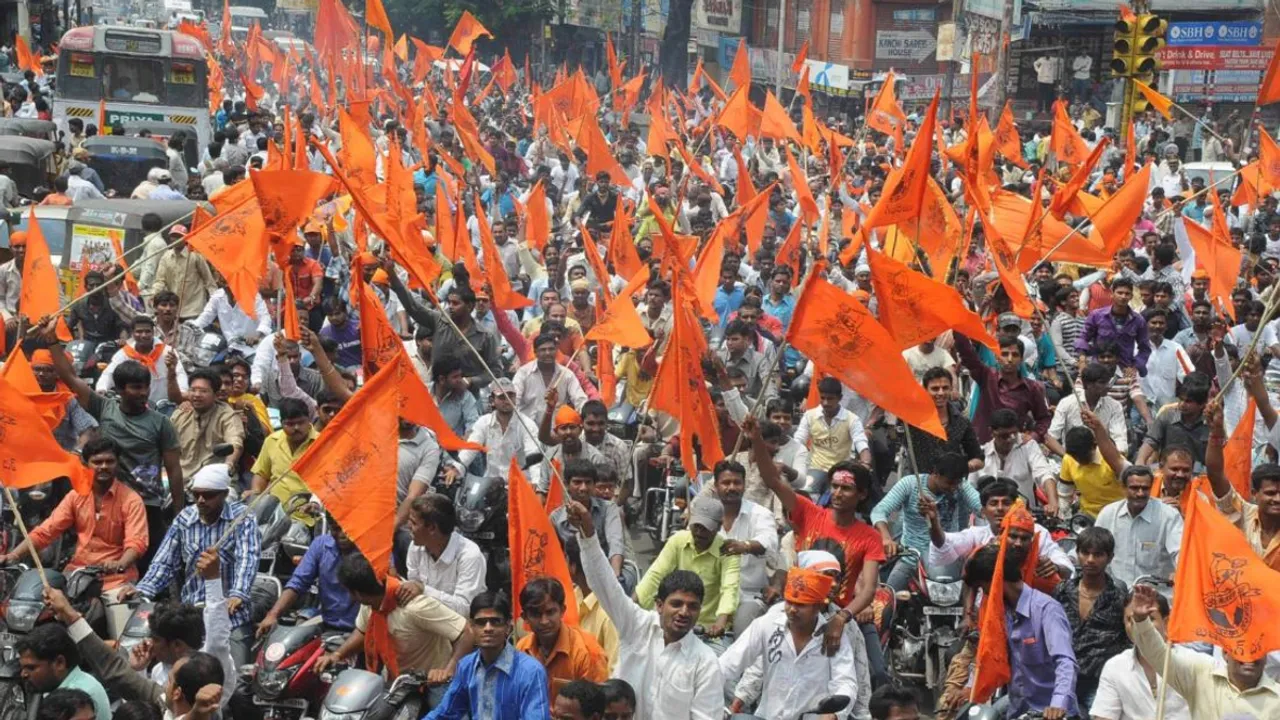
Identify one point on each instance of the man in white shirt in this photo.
(1148, 534)
(1046, 67)
(1125, 687)
(1081, 68)
(534, 378)
(441, 563)
(928, 355)
(797, 672)
(242, 332)
(1168, 363)
(143, 348)
(1095, 383)
(504, 434)
(752, 535)
(564, 175)
(1008, 455)
(675, 675)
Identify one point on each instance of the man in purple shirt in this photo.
(1119, 324)
(1041, 657)
(1004, 388)
(344, 331)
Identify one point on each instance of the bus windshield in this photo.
(131, 78)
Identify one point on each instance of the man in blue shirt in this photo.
(319, 565)
(943, 492)
(495, 682)
(729, 293)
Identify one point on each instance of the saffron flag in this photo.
(537, 224)
(1064, 141)
(1238, 452)
(26, 60)
(679, 388)
(1066, 193)
(505, 296)
(800, 182)
(1268, 157)
(904, 190)
(1113, 222)
(885, 114)
(52, 405)
(739, 116)
(466, 32)
(1227, 595)
(1217, 256)
(29, 454)
(375, 16)
(235, 243)
(1008, 143)
(844, 339)
(740, 73)
(799, 63)
(38, 297)
(535, 544)
(1158, 101)
(287, 197)
(555, 493)
(914, 308)
(622, 249)
(351, 469)
(620, 324)
(1270, 90)
(991, 662)
(774, 122)
(615, 70)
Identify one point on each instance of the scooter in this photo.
(825, 706)
(362, 695)
(926, 625)
(283, 680)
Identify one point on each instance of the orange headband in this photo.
(1018, 517)
(807, 587)
(566, 415)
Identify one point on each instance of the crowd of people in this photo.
(1090, 402)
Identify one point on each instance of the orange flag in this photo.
(800, 181)
(904, 190)
(886, 114)
(1269, 157)
(913, 308)
(739, 116)
(555, 493)
(599, 157)
(235, 243)
(289, 315)
(802, 88)
(537, 225)
(1158, 101)
(1238, 452)
(379, 343)
(1006, 269)
(287, 197)
(842, 337)
(937, 231)
(1007, 141)
(52, 405)
(535, 544)
(359, 159)
(604, 365)
(1113, 222)
(622, 249)
(1065, 141)
(504, 296)
(679, 388)
(466, 32)
(29, 454)
(774, 122)
(799, 63)
(620, 324)
(1270, 90)
(102, 116)
(39, 297)
(1218, 257)
(376, 17)
(1227, 595)
(740, 73)
(351, 468)
(615, 70)
(789, 253)
(991, 663)
(1066, 193)
(26, 60)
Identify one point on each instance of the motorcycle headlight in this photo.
(943, 594)
(21, 617)
(271, 683)
(327, 714)
(470, 520)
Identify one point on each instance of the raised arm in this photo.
(768, 470)
(67, 374)
(1214, 456)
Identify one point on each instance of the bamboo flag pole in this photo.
(26, 536)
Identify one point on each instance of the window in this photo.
(130, 79)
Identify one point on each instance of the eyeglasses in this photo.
(489, 622)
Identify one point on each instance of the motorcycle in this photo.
(481, 503)
(36, 504)
(137, 629)
(662, 511)
(89, 360)
(25, 609)
(362, 695)
(826, 706)
(926, 625)
(283, 681)
(199, 347)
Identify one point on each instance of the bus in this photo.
(146, 76)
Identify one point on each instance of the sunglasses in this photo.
(488, 622)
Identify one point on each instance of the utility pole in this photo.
(637, 30)
(1001, 68)
(782, 36)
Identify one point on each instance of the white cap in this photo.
(215, 478)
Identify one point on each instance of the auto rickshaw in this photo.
(28, 127)
(123, 162)
(162, 131)
(28, 161)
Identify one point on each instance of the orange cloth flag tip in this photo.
(29, 454)
(620, 324)
(904, 190)
(17, 371)
(26, 60)
(466, 32)
(351, 468)
(537, 224)
(800, 182)
(376, 17)
(1008, 143)
(1062, 199)
(886, 114)
(843, 338)
(289, 315)
(1227, 595)
(679, 388)
(287, 197)
(1065, 141)
(505, 296)
(1158, 101)
(555, 492)
(1270, 90)
(1216, 256)
(102, 116)
(775, 122)
(799, 63)
(914, 308)
(1238, 452)
(235, 243)
(740, 73)
(39, 296)
(1268, 157)
(535, 544)
(739, 116)
(1113, 222)
(991, 662)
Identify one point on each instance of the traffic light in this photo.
(1149, 38)
(1126, 32)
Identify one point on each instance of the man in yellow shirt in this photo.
(1087, 469)
(592, 618)
(273, 470)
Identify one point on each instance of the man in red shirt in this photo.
(306, 278)
(839, 531)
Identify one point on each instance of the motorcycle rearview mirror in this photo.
(222, 450)
(532, 459)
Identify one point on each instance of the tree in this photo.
(673, 54)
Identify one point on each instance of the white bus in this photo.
(146, 76)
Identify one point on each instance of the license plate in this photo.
(952, 611)
(296, 703)
(8, 639)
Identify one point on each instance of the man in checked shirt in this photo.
(197, 528)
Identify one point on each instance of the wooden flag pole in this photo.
(26, 536)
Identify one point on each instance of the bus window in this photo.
(187, 83)
(78, 76)
(135, 79)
